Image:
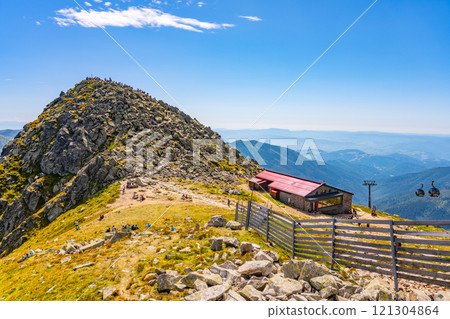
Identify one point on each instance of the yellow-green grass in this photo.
(32, 279)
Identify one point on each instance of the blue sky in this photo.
(227, 61)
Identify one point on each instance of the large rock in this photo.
(108, 292)
(217, 221)
(216, 244)
(376, 290)
(230, 242)
(419, 295)
(247, 247)
(284, 286)
(260, 255)
(233, 225)
(258, 282)
(96, 244)
(251, 293)
(441, 296)
(258, 268)
(232, 277)
(166, 282)
(272, 254)
(119, 236)
(328, 292)
(304, 269)
(326, 281)
(210, 294)
(233, 296)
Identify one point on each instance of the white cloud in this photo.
(98, 1)
(108, 4)
(38, 23)
(200, 4)
(87, 4)
(132, 17)
(251, 18)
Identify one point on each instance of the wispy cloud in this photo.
(251, 18)
(87, 4)
(108, 4)
(38, 23)
(132, 17)
(200, 4)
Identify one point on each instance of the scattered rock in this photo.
(65, 259)
(210, 294)
(259, 267)
(247, 247)
(217, 221)
(251, 293)
(418, 295)
(216, 244)
(108, 292)
(233, 296)
(263, 256)
(83, 266)
(166, 282)
(233, 225)
(284, 286)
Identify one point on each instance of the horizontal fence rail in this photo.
(394, 248)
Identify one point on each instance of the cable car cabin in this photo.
(420, 192)
(434, 192)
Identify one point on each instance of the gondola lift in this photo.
(420, 192)
(434, 192)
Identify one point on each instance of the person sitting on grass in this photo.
(108, 230)
(114, 229)
(148, 225)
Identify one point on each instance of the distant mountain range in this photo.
(6, 136)
(398, 176)
(421, 147)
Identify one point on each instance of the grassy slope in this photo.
(32, 279)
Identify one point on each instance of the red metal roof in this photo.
(289, 184)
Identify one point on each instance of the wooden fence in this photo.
(396, 248)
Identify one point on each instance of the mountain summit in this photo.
(95, 134)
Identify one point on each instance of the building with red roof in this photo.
(303, 194)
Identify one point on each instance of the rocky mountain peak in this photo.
(94, 134)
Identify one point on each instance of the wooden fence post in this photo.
(267, 225)
(333, 243)
(236, 214)
(247, 223)
(394, 255)
(293, 239)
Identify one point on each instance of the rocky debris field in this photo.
(264, 278)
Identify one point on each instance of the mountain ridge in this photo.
(78, 146)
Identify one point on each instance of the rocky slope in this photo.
(78, 146)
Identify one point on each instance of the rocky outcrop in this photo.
(78, 146)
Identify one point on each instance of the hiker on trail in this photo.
(78, 228)
(135, 195)
(148, 225)
(113, 229)
(374, 210)
(228, 202)
(123, 190)
(101, 217)
(76, 225)
(128, 228)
